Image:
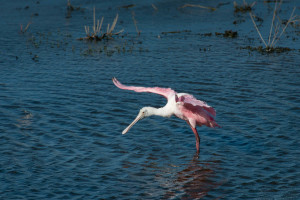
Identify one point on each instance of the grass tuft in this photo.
(96, 34)
(276, 28)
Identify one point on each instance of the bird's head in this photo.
(144, 112)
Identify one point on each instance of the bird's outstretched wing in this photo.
(166, 92)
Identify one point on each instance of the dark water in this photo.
(61, 116)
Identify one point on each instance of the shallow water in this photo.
(62, 117)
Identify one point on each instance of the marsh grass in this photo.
(135, 23)
(25, 29)
(96, 33)
(277, 28)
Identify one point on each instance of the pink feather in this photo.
(165, 92)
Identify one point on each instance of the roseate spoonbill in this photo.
(182, 105)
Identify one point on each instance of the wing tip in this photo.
(115, 81)
(214, 124)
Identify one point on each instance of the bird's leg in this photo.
(196, 137)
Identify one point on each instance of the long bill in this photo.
(140, 116)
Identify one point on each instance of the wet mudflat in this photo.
(62, 117)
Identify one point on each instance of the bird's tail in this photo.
(213, 124)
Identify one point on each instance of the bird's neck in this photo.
(163, 112)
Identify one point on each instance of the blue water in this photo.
(62, 117)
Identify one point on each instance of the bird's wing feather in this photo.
(189, 100)
(166, 92)
(197, 111)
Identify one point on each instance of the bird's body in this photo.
(182, 105)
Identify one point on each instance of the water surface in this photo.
(62, 117)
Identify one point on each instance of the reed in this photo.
(135, 23)
(109, 31)
(25, 29)
(276, 28)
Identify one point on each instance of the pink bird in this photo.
(182, 105)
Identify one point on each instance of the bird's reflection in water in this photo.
(193, 182)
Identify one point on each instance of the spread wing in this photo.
(166, 92)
